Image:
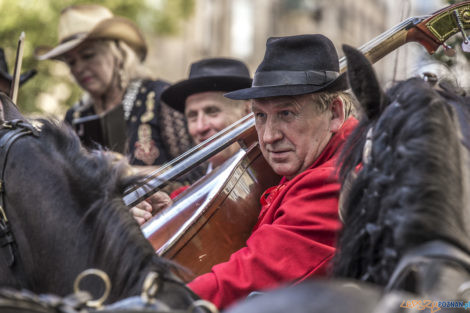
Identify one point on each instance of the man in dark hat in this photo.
(301, 110)
(6, 78)
(201, 99)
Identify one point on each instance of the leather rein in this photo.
(15, 130)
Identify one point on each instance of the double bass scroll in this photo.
(431, 31)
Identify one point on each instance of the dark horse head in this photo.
(406, 172)
(66, 214)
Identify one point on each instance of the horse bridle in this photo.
(15, 130)
(431, 251)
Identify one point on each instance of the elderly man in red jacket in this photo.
(301, 115)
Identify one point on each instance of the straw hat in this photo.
(78, 23)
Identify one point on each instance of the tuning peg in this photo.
(448, 50)
(465, 43)
(466, 46)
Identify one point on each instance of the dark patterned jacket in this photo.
(156, 133)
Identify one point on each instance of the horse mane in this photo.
(412, 189)
(98, 183)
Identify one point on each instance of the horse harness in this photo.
(81, 302)
(26, 301)
(15, 130)
(429, 252)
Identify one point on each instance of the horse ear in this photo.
(364, 83)
(2, 114)
(9, 111)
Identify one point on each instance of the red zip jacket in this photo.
(294, 237)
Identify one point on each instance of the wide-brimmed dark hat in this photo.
(214, 74)
(295, 65)
(5, 75)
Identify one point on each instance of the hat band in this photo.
(282, 78)
(73, 37)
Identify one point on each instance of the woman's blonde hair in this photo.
(129, 65)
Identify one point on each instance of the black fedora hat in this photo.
(7, 77)
(295, 65)
(214, 74)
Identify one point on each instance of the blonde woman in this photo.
(105, 54)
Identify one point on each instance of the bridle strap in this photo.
(433, 250)
(16, 129)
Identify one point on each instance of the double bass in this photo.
(215, 216)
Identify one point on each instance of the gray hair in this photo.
(325, 98)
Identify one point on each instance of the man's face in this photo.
(292, 131)
(208, 113)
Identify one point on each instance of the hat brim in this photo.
(175, 95)
(44, 53)
(340, 83)
(118, 28)
(23, 77)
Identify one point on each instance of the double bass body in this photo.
(214, 217)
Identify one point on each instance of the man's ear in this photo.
(247, 107)
(337, 114)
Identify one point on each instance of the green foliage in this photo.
(39, 20)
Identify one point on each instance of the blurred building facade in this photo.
(240, 28)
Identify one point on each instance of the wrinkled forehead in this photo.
(282, 102)
(298, 102)
(210, 99)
